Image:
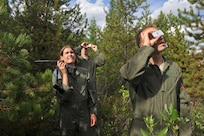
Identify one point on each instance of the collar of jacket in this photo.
(166, 63)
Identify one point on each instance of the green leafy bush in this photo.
(115, 112)
(171, 119)
(197, 114)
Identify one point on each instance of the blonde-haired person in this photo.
(75, 94)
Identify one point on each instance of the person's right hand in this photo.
(62, 67)
(93, 120)
(84, 44)
(148, 39)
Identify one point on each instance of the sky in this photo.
(95, 8)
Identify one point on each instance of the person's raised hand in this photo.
(94, 47)
(84, 44)
(62, 66)
(148, 39)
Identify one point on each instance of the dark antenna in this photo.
(44, 61)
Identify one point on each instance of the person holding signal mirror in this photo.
(91, 63)
(154, 82)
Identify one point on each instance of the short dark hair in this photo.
(138, 35)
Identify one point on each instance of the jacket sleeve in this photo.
(185, 129)
(78, 50)
(136, 66)
(61, 90)
(99, 59)
(92, 97)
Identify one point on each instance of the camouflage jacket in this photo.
(80, 88)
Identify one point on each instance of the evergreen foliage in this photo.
(93, 32)
(31, 30)
(118, 40)
(193, 21)
(50, 25)
(26, 103)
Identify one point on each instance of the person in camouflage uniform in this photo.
(91, 63)
(154, 81)
(76, 95)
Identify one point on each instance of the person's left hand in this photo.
(93, 120)
(94, 47)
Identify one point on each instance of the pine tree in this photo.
(193, 20)
(6, 20)
(117, 42)
(50, 24)
(118, 39)
(93, 32)
(26, 102)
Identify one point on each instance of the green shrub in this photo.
(197, 114)
(115, 112)
(171, 119)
